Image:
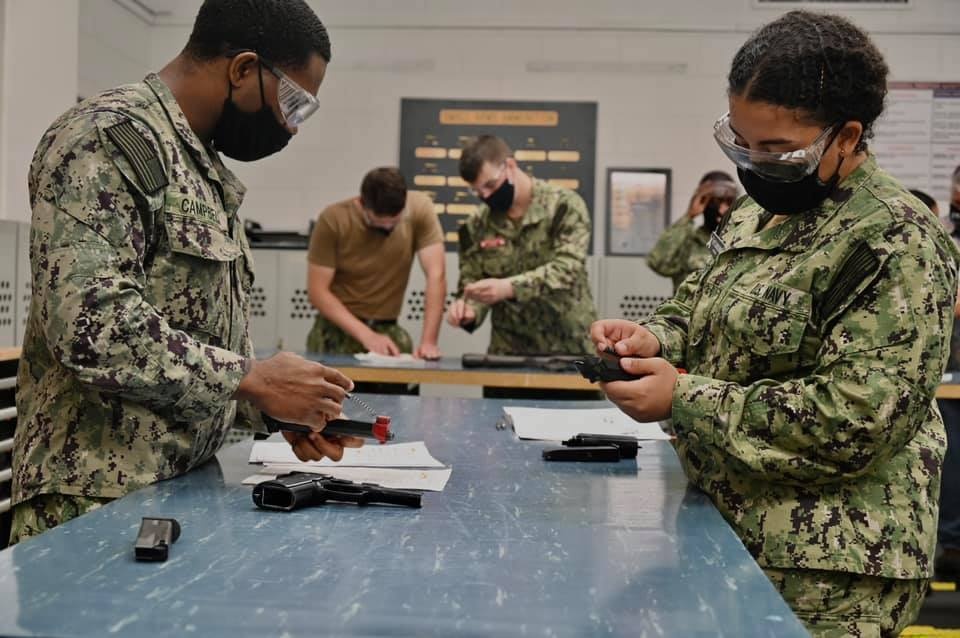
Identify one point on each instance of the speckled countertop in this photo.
(513, 546)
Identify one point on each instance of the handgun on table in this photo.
(292, 491)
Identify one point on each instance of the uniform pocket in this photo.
(767, 320)
(498, 261)
(193, 238)
(193, 286)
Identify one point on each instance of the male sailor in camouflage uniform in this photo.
(682, 248)
(815, 341)
(137, 356)
(522, 257)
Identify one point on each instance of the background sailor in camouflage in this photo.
(814, 342)
(137, 340)
(682, 248)
(522, 258)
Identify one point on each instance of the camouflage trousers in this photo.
(326, 336)
(842, 604)
(46, 511)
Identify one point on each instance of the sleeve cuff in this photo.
(522, 290)
(213, 383)
(249, 417)
(672, 352)
(481, 312)
(696, 403)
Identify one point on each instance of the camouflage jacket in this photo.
(680, 250)
(544, 257)
(137, 334)
(814, 349)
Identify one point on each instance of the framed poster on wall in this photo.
(638, 209)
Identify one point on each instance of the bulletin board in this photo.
(918, 136)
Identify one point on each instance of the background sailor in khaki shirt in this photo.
(360, 255)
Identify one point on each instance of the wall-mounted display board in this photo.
(918, 136)
(554, 141)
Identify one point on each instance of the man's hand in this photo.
(290, 388)
(489, 291)
(628, 339)
(460, 313)
(315, 446)
(649, 398)
(723, 192)
(430, 351)
(701, 197)
(380, 344)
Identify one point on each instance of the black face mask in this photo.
(383, 231)
(955, 218)
(501, 199)
(711, 217)
(789, 198)
(249, 136)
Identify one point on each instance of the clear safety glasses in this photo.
(296, 104)
(779, 167)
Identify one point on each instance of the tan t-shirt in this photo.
(372, 269)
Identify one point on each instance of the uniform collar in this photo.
(541, 195)
(232, 189)
(542, 198)
(800, 231)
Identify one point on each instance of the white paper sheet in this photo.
(559, 424)
(405, 360)
(413, 454)
(430, 480)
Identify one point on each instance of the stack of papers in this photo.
(402, 466)
(561, 424)
(405, 360)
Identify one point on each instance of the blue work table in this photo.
(513, 546)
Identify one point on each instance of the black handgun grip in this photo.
(604, 368)
(278, 494)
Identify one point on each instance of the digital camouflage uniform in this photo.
(544, 257)
(814, 349)
(680, 250)
(137, 336)
(326, 336)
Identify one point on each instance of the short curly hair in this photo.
(383, 191)
(821, 64)
(285, 32)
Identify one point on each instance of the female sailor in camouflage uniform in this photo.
(814, 342)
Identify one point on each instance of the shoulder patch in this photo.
(562, 211)
(140, 154)
(737, 203)
(729, 215)
(463, 234)
(860, 264)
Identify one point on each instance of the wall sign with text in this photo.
(918, 136)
